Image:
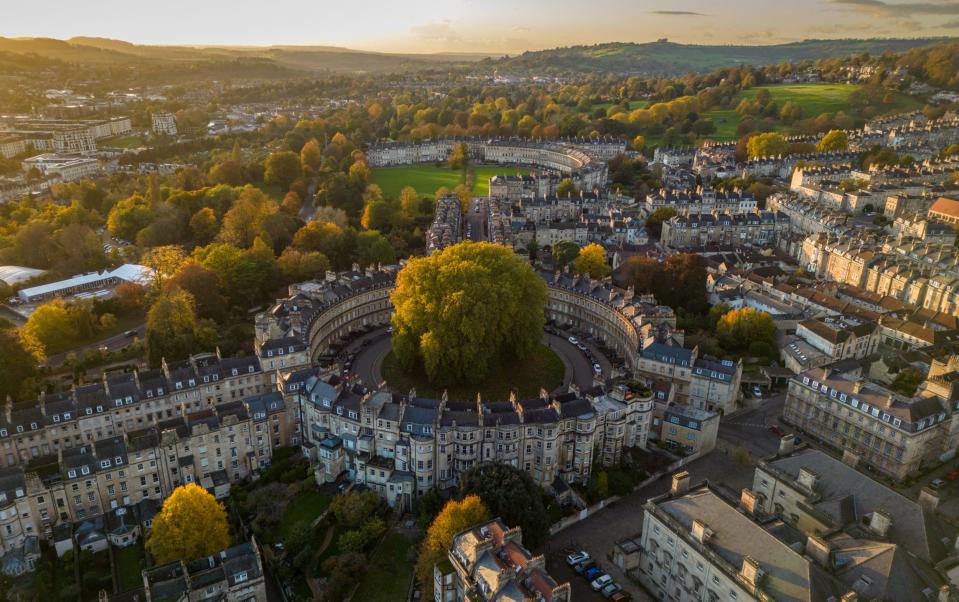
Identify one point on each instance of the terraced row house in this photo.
(404, 445)
(740, 229)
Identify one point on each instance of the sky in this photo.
(487, 26)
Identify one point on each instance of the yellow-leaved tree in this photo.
(455, 517)
(192, 524)
(592, 262)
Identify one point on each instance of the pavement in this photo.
(624, 518)
(750, 428)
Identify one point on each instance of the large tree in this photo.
(564, 252)
(51, 325)
(834, 140)
(456, 517)
(465, 308)
(511, 494)
(173, 330)
(18, 370)
(282, 169)
(592, 262)
(192, 524)
(738, 329)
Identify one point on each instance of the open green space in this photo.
(129, 563)
(814, 99)
(122, 142)
(542, 369)
(427, 179)
(389, 571)
(633, 105)
(305, 508)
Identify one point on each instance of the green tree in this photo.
(296, 265)
(410, 201)
(564, 253)
(769, 144)
(311, 155)
(567, 188)
(654, 223)
(356, 508)
(461, 310)
(173, 330)
(204, 286)
(456, 517)
(739, 328)
(191, 525)
(204, 226)
(18, 370)
(51, 325)
(833, 141)
(373, 248)
(592, 262)
(511, 494)
(282, 168)
(129, 216)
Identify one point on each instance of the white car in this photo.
(597, 369)
(757, 392)
(573, 340)
(601, 582)
(577, 557)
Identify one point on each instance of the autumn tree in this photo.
(296, 265)
(311, 155)
(739, 329)
(282, 168)
(833, 141)
(18, 370)
(769, 144)
(465, 308)
(410, 201)
(592, 262)
(164, 261)
(456, 517)
(567, 188)
(51, 325)
(173, 330)
(191, 525)
(459, 156)
(204, 285)
(129, 216)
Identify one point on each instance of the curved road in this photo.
(368, 360)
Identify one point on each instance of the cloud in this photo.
(889, 9)
(676, 13)
(520, 28)
(436, 30)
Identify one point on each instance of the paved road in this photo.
(112, 344)
(750, 428)
(598, 533)
(368, 361)
(476, 221)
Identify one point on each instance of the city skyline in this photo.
(494, 27)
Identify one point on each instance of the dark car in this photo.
(584, 566)
(594, 573)
(130, 333)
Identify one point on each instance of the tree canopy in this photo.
(465, 308)
(834, 140)
(456, 517)
(192, 524)
(511, 494)
(738, 329)
(591, 262)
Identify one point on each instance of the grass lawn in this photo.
(388, 572)
(814, 99)
(129, 561)
(426, 179)
(122, 142)
(542, 369)
(304, 508)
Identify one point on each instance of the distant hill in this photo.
(668, 58)
(104, 51)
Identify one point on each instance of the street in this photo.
(750, 428)
(112, 344)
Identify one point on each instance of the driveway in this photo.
(598, 533)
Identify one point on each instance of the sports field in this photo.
(814, 99)
(427, 179)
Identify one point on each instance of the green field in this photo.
(426, 179)
(122, 142)
(389, 571)
(542, 369)
(814, 99)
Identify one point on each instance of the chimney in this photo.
(928, 499)
(700, 531)
(857, 386)
(945, 593)
(850, 457)
(850, 597)
(680, 483)
(787, 444)
(808, 478)
(751, 572)
(880, 523)
(818, 549)
(750, 501)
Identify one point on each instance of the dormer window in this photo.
(19, 428)
(149, 393)
(72, 474)
(56, 418)
(269, 353)
(3, 432)
(206, 379)
(234, 372)
(280, 351)
(89, 411)
(85, 470)
(192, 382)
(66, 415)
(241, 577)
(19, 492)
(128, 399)
(250, 370)
(118, 402)
(104, 464)
(179, 385)
(291, 349)
(118, 460)
(216, 377)
(159, 390)
(99, 409)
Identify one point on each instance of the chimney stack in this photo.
(880, 523)
(850, 457)
(818, 549)
(787, 444)
(750, 501)
(751, 572)
(680, 483)
(928, 499)
(700, 531)
(808, 478)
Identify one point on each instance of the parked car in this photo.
(130, 334)
(594, 574)
(584, 566)
(601, 582)
(777, 430)
(597, 369)
(953, 475)
(937, 484)
(757, 392)
(582, 347)
(611, 589)
(621, 597)
(573, 340)
(577, 557)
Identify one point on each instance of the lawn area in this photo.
(542, 369)
(814, 99)
(389, 571)
(122, 142)
(306, 507)
(426, 179)
(129, 562)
